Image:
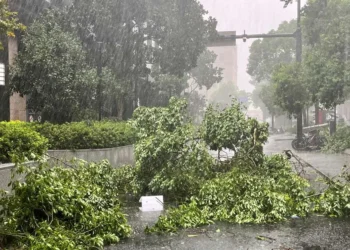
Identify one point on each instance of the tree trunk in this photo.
(305, 118)
(317, 113)
(120, 108)
(272, 121)
(300, 125)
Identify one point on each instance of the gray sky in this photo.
(254, 16)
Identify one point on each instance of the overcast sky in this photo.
(254, 16)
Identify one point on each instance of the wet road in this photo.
(313, 233)
(329, 164)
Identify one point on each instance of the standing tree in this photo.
(181, 32)
(257, 102)
(204, 75)
(265, 56)
(290, 94)
(113, 34)
(51, 69)
(327, 64)
(267, 53)
(116, 36)
(267, 96)
(126, 28)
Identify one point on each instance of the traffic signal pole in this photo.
(298, 51)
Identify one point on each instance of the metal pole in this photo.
(99, 86)
(298, 59)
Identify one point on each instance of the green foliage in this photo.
(270, 193)
(335, 201)
(266, 54)
(169, 158)
(63, 208)
(113, 35)
(231, 129)
(172, 155)
(291, 94)
(178, 28)
(205, 74)
(257, 100)
(182, 33)
(23, 141)
(51, 69)
(9, 21)
(326, 58)
(86, 135)
(125, 181)
(18, 143)
(267, 95)
(338, 142)
(157, 92)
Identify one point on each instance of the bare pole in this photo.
(99, 86)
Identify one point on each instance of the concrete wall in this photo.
(116, 156)
(5, 175)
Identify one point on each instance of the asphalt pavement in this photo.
(329, 164)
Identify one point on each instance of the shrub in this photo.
(63, 208)
(169, 159)
(125, 180)
(270, 193)
(338, 142)
(20, 143)
(86, 135)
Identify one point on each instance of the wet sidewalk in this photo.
(329, 164)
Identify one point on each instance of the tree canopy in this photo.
(290, 93)
(51, 69)
(126, 37)
(326, 59)
(267, 53)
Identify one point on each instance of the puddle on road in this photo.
(312, 233)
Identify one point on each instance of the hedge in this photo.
(23, 141)
(86, 135)
(19, 143)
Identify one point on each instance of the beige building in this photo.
(226, 50)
